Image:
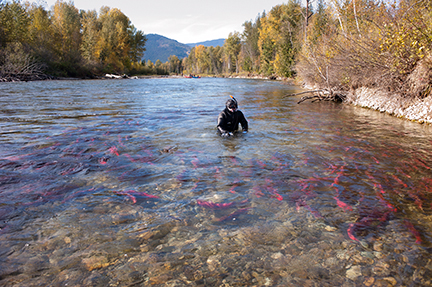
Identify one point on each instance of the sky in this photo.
(187, 21)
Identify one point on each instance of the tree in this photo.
(90, 35)
(67, 31)
(289, 42)
(112, 48)
(41, 41)
(370, 43)
(69, 42)
(250, 48)
(189, 62)
(151, 67)
(232, 48)
(320, 23)
(120, 43)
(278, 39)
(266, 45)
(216, 59)
(202, 59)
(14, 22)
(174, 64)
(137, 42)
(306, 16)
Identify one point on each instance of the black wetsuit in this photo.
(229, 121)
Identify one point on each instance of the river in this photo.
(127, 183)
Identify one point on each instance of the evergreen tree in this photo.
(250, 47)
(232, 48)
(14, 23)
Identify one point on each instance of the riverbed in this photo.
(127, 183)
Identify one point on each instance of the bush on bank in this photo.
(378, 52)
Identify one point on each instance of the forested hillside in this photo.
(161, 48)
(65, 41)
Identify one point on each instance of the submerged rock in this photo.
(354, 272)
(95, 262)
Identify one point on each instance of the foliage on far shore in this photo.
(268, 46)
(66, 42)
(333, 44)
(337, 45)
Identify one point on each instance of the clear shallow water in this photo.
(127, 183)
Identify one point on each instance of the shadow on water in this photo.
(128, 183)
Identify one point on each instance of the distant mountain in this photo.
(160, 48)
(214, 43)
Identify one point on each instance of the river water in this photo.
(127, 183)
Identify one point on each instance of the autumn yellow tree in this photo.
(112, 47)
(66, 41)
(278, 39)
(67, 32)
(202, 59)
(40, 32)
(119, 42)
(174, 64)
(90, 35)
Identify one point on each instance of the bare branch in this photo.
(329, 96)
(302, 93)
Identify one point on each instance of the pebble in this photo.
(354, 272)
(381, 268)
(330, 228)
(213, 263)
(95, 262)
(369, 281)
(391, 281)
(378, 246)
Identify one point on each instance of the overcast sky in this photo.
(187, 21)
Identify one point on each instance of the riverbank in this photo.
(405, 107)
(124, 76)
(414, 109)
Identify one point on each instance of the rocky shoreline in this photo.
(414, 109)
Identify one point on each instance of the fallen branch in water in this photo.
(307, 92)
(324, 95)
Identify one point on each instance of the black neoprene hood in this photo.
(232, 103)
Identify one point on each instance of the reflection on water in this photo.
(127, 183)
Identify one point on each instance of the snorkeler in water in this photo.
(230, 118)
